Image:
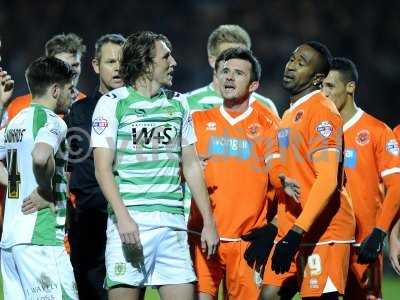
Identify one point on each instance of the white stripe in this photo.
(272, 156)
(149, 172)
(324, 243)
(390, 171)
(233, 121)
(354, 119)
(148, 188)
(147, 157)
(303, 99)
(172, 203)
(222, 239)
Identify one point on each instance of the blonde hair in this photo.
(227, 34)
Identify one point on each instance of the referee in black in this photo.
(88, 207)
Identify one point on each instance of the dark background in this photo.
(368, 32)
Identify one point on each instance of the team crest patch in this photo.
(325, 128)
(254, 129)
(120, 269)
(392, 147)
(363, 137)
(298, 116)
(99, 125)
(314, 283)
(211, 126)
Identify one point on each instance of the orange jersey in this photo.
(310, 125)
(371, 153)
(236, 173)
(396, 131)
(21, 102)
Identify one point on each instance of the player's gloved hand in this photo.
(261, 242)
(285, 251)
(371, 246)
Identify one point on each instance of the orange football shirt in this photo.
(396, 131)
(21, 102)
(371, 153)
(312, 124)
(240, 150)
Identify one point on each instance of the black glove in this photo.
(261, 242)
(371, 247)
(285, 251)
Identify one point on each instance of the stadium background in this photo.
(368, 32)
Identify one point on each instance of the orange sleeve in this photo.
(391, 204)
(326, 166)
(397, 132)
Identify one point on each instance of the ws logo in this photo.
(146, 135)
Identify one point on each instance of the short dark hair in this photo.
(70, 43)
(325, 56)
(113, 38)
(346, 68)
(138, 53)
(241, 53)
(46, 71)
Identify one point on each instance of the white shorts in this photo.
(37, 272)
(165, 258)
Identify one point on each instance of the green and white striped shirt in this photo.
(148, 135)
(35, 124)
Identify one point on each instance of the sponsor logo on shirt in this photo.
(314, 283)
(325, 129)
(211, 126)
(392, 147)
(99, 125)
(363, 137)
(230, 147)
(350, 158)
(298, 116)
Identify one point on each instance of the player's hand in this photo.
(371, 246)
(209, 239)
(6, 87)
(290, 187)
(261, 242)
(129, 232)
(285, 250)
(35, 202)
(394, 251)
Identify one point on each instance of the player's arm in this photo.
(3, 170)
(387, 156)
(326, 167)
(194, 177)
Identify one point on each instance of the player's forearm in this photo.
(3, 174)
(321, 191)
(105, 178)
(44, 173)
(391, 203)
(195, 179)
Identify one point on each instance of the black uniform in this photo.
(88, 220)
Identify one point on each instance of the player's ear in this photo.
(350, 87)
(318, 78)
(253, 86)
(55, 90)
(95, 65)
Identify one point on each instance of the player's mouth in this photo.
(229, 88)
(287, 77)
(117, 79)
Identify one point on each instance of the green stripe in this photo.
(39, 119)
(153, 196)
(44, 232)
(151, 180)
(158, 207)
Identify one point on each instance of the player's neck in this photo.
(48, 103)
(146, 87)
(310, 89)
(348, 110)
(236, 106)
